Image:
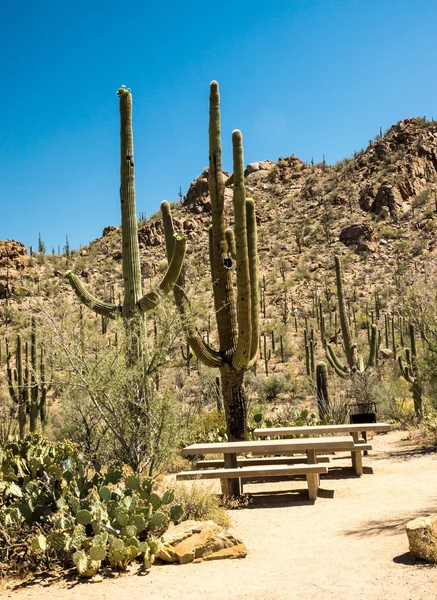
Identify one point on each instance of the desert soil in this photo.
(350, 544)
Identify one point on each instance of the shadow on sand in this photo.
(387, 526)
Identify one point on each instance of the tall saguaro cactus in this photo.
(236, 313)
(349, 347)
(134, 303)
(355, 363)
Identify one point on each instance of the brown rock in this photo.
(195, 540)
(251, 168)
(109, 229)
(422, 537)
(367, 197)
(238, 551)
(13, 254)
(385, 353)
(356, 231)
(388, 195)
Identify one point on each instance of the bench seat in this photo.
(311, 472)
(262, 460)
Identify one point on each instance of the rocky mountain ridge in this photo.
(377, 209)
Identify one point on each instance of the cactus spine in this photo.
(237, 318)
(134, 304)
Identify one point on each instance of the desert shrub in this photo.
(199, 502)
(142, 421)
(271, 387)
(206, 426)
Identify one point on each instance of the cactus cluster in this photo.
(94, 515)
(27, 382)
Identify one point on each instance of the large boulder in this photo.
(422, 537)
(357, 231)
(195, 541)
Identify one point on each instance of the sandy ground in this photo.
(350, 544)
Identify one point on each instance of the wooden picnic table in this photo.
(230, 450)
(354, 429)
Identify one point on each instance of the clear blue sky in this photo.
(304, 77)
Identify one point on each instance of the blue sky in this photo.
(297, 77)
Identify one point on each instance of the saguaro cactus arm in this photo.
(252, 246)
(152, 299)
(203, 351)
(230, 239)
(10, 373)
(129, 228)
(405, 370)
(242, 354)
(223, 291)
(102, 308)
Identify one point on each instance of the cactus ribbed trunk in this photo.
(34, 405)
(135, 321)
(235, 402)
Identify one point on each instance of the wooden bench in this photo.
(312, 473)
(233, 472)
(261, 460)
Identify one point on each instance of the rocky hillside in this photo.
(377, 209)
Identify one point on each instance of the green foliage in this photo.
(199, 502)
(302, 418)
(91, 515)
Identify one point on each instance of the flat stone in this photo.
(195, 540)
(238, 551)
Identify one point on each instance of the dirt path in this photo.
(350, 544)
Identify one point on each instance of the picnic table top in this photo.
(345, 442)
(315, 429)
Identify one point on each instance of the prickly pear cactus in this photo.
(95, 516)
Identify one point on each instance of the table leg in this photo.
(231, 488)
(314, 478)
(357, 457)
(364, 434)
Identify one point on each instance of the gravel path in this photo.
(350, 544)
